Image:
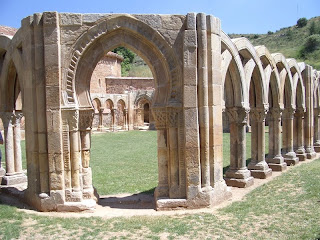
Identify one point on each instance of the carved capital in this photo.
(238, 115)
(299, 113)
(73, 120)
(288, 113)
(275, 114)
(258, 114)
(173, 117)
(17, 118)
(86, 118)
(160, 116)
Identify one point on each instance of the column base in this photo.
(14, 179)
(291, 158)
(239, 178)
(215, 196)
(316, 148)
(240, 183)
(311, 155)
(261, 174)
(278, 167)
(302, 157)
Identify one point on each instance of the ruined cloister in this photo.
(200, 74)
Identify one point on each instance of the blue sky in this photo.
(237, 16)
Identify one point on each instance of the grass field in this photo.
(286, 208)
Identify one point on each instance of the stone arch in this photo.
(258, 101)
(233, 75)
(126, 31)
(142, 115)
(297, 81)
(109, 119)
(96, 123)
(289, 100)
(121, 114)
(253, 70)
(274, 159)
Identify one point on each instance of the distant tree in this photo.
(128, 57)
(255, 36)
(312, 28)
(311, 44)
(302, 22)
(270, 32)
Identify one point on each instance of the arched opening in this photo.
(146, 112)
(152, 56)
(12, 117)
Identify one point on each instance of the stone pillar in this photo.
(258, 166)
(238, 174)
(203, 99)
(113, 117)
(8, 143)
(125, 116)
(17, 143)
(172, 120)
(275, 159)
(287, 136)
(14, 174)
(75, 156)
(299, 134)
(100, 127)
(162, 189)
(316, 115)
(85, 126)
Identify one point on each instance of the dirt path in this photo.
(127, 205)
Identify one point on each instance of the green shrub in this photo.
(128, 57)
(311, 44)
(302, 22)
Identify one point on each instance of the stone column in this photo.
(85, 125)
(17, 143)
(100, 127)
(14, 174)
(287, 137)
(299, 134)
(162, 189)
(258, 166)
(75, 156)
(275, 159)
(308, 81)
(316, 144)
(125, 116)
(238, 174)
(8, 143)
(113, 117)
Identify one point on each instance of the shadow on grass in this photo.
(143, 200)
(12, 196)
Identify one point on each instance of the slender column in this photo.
(113, 117)
(17, 143)
(289, 155)
(75, 152)
(85, 126)
(162, 189)
(125, 115)
(203, 100)
(308, 81)
(258, 166)
(275, 159)
(299, 133)
(100, 127)
(8, 143)
(316, 144)
(172, 120)
(238, 174)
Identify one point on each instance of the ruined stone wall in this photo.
(120, 85)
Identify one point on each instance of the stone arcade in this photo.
(199, 73)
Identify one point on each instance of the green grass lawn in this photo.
(286, 208)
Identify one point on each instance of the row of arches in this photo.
(259, 87)
(199, 73)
